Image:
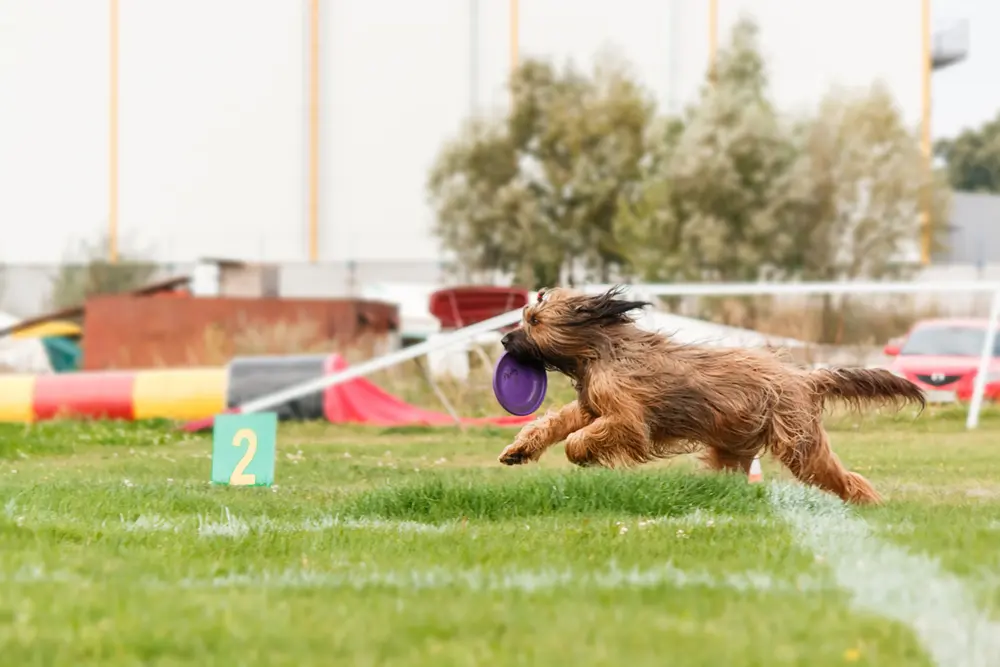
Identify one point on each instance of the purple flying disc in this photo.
(519, 387)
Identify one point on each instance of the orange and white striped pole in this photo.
(314, 129)
(713, 36)
(926, 148)
(514, 35)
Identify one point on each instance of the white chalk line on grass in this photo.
(611, 577)
(230, 525)
(233, 526)
(480, 579)
(889, 581)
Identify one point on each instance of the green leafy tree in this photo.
(87, 272)
(537, 194)
(972, 158)
(646, 223)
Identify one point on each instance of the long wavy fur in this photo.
(864, 387)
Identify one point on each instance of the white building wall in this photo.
(214, 106)
(810, 46)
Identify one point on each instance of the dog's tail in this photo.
(867, 386)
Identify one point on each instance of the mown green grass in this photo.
(415, 547)
(441, 497)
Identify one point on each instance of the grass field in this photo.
(415, 547)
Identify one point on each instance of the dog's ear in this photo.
(606, 308)
(546, 294)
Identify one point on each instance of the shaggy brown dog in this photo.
(641, 396)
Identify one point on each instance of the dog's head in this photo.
(565, 329)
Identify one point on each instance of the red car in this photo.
(942, 356)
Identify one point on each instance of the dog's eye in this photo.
(533, 320)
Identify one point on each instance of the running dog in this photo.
(641, 396)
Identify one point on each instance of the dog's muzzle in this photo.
(517, 345)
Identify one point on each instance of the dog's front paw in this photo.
(513, 455)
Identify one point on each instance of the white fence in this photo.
(695, 289)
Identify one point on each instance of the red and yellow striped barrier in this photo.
(185, 393)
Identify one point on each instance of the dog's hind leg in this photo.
(813, 461)
(537, 436)
(716, 458)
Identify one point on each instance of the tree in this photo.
(724, 179)
(537, 194)
(858, 184)
(581, 175)
(972, 158)
(646, 224)
(89, 273)
(715, 200)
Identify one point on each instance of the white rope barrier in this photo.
(683, 289)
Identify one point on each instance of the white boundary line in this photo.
(357, 577)
(610, 577)
(229, 525)
(889, 581)
(235, 527)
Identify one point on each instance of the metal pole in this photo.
(314, 79)
(926, 192)
(673, 66)
(713, 36)
(515, 34)
(989, 342)
(473, 57)
(113, 135)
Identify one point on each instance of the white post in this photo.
(989, 341)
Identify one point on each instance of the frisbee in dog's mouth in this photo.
(519, 386)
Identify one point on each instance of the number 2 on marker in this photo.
(240, 478)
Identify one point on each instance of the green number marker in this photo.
(243, 449)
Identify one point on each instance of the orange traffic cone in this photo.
(755, 473)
